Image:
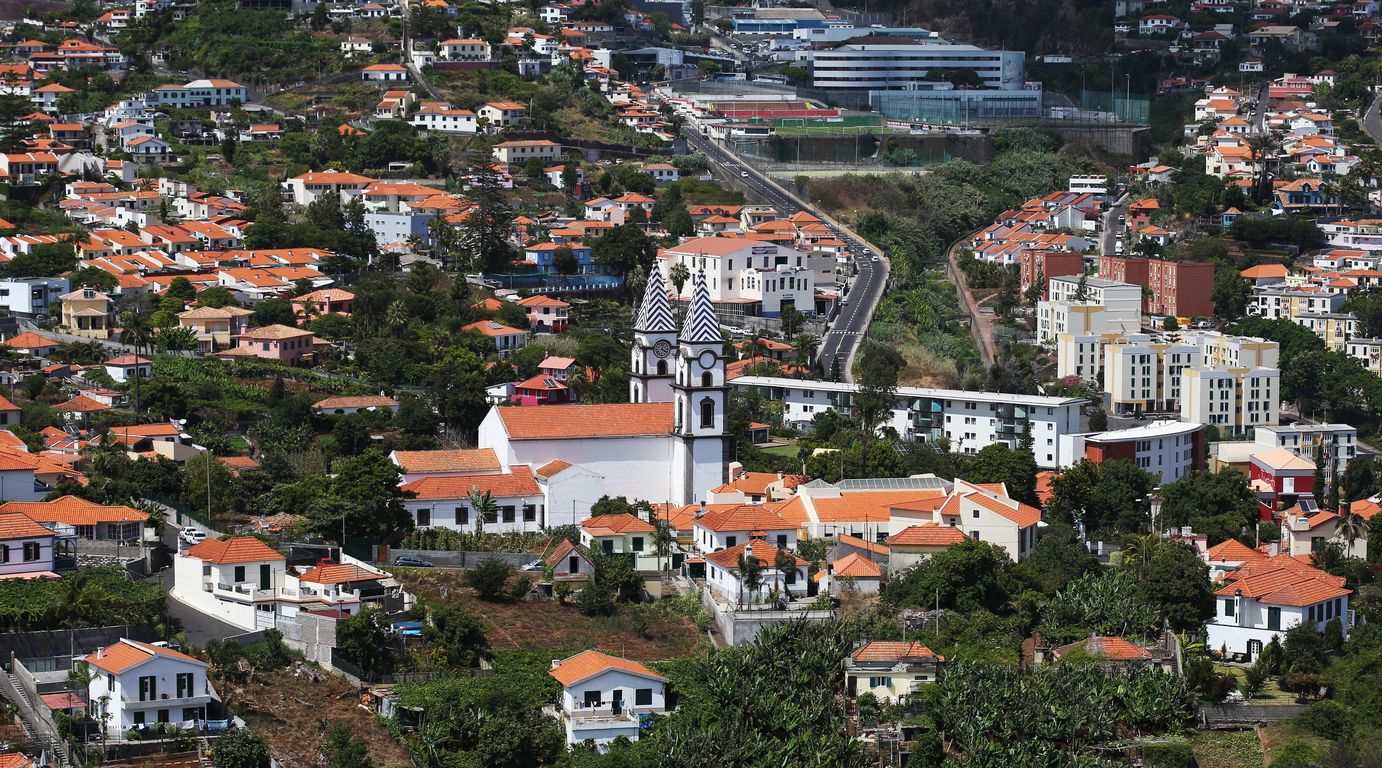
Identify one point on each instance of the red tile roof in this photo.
(856, 566)
(474, 460)
(743, 517)
(339, 574)
(15, 525)
(587, 664)
(560, 422)
(1111, 648)
(892, 652)
(72, 510)
(128, 653)
(1283, 580)
(519, 481)
(242, 549)
(616, 525)
(927, 535)
(763, 552)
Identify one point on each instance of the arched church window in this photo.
(662, 367)
(707, 380)
(707, 413)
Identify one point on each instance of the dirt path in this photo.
(980, 324)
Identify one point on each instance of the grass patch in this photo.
(789, 451)
(1227, 749)
(1271, 693)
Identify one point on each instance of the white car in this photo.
(193, 535)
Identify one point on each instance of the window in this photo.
(707, 380)
(643, 697)
(782, 541)
(508, 513)
(591, 699)
(184, 684)
(707, 413)
(462, 515)
(1273, 618)
(1228, 608)
(4, 553)
(573, 564)
(491, 517)
(880, 682)
(529, 513)
(148, 688)
(638, 543)
(976, 513)
(239, 573)
(731, 541)
(424, 518)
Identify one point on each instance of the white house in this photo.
(445, 502)
(26, 548)
(384, 73)
(307, 187)
(139, 684)
(604, 697)
(442, 117)
(1264, 598)
(728, 527)
(128, 367)
(724, 578)
(231, 579)
(744, 273)
(621, 534)
(980, 511)
(851, 573)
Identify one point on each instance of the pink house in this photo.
(272, 342)
(542, 390)
(324, 301)
(546, 313)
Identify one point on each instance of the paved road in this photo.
(845, 334)
(1108, 241)
(199, 627)
(1372, 122)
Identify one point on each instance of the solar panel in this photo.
(892, 483)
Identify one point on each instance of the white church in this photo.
(668, 444)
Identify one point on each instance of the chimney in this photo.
(700, 511)
(748, 549)
(1275, 549)
(100, 653)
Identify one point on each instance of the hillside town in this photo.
(596, 384)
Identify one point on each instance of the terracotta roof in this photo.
(124, 360)
(1283, 580)
(1232, 551)
(855, 565)
(858, 543)
(563, 550)
(892, 651)
(72, 510)
(744, 517)
(763, 552)
(1111, 648)
(491, 328)
(6, 405)
(30, 340)
(81, 404)
(15, 525)
(559, 422)
(340, 574)
(356, 401)
(1017, 512)
(272, 332)
(552, 468)
(241, 549)
(616, 525)
(927, 535)
(587, 664)
(472, 460)
(518, 482)
(127, 654)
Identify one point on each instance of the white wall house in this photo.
(604, 697)
(1263, 599)
(744, 272)
(25, 546)
(444, 502)
(724, 579)
(622, 534)
(969, 420)
(140, 684)
(231, 580)
(724, 528)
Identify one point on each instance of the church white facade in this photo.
(668, 444)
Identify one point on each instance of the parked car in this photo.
(535, 565)
(193, 535)
(411, 562)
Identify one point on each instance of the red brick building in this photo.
(1178, 288)
(1044, 265)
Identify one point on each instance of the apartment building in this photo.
(1232, 399)
(1177, 288)
(1036, 266)
(199, 93)
(1334, 328)
(1285, 302)
(747, 277)
(888, 63)
(1082, 305)
(1082, 355)
(1366, 351)
(1146, 377)
(969, 421)
(1171, 449)
(1338, 443)
(1236, 351)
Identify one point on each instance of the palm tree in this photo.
(177, 338)
(396, 316)
(786, 564)
(679, 274)
(79, 678)
(136, 331)
(804, 348)
(1351, 527)
(756, 346)
(662, 540)
(484, 506)
(750, 577)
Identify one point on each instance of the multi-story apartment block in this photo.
(1337, 443)
(1232, 399)
(1177, 288)
(1284, 302)
(1144, 377)
(1171, 449)
(1335, 328)
(1366, 351)
(969, 421)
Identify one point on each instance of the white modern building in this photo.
(31, 296)
(231, 580)
(605, 697)
(881, 63)
(745, 277)
(141, 684)
(1232, 399)
(1170, 449)
(968, 420)
(199, 93)
(1338, 443)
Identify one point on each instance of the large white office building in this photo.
(885, 63)
(745, 277)
(968, 420)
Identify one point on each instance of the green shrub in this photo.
(1326, 719)
(489, 578)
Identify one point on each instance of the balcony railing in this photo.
(170, 700)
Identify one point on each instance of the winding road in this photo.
(856, 310)
(1371, 122)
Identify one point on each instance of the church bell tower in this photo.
(700, 396)
(654, 345)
